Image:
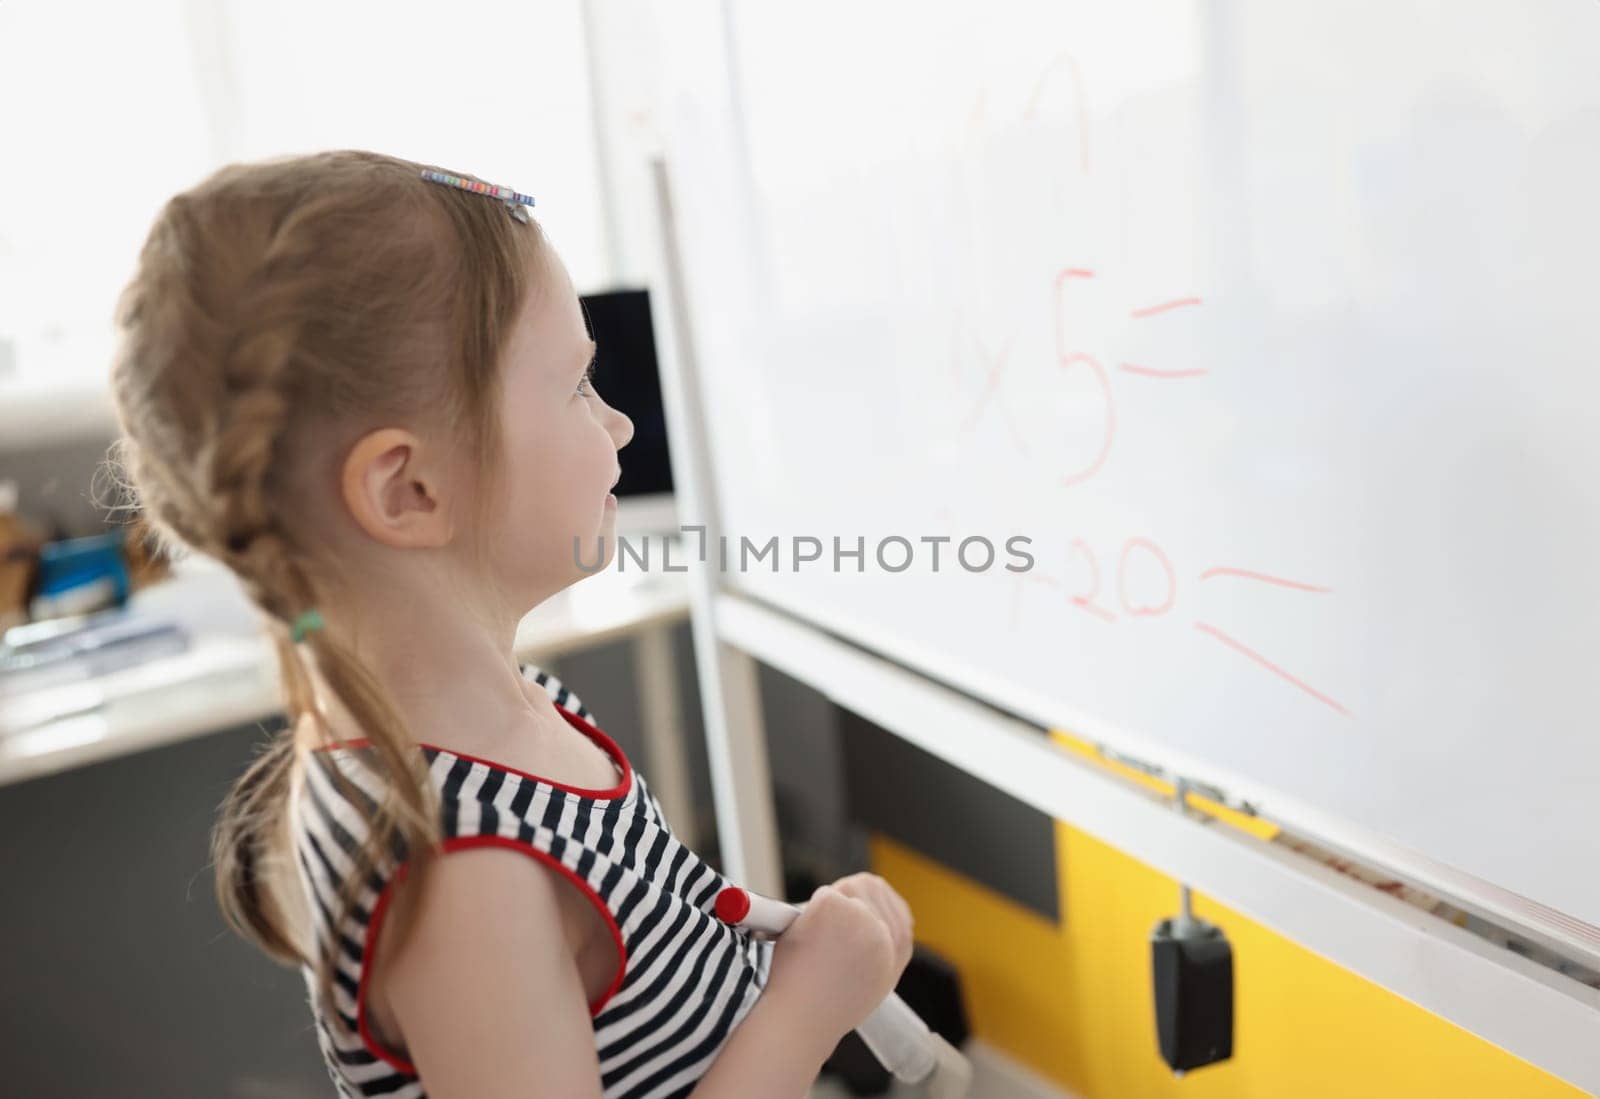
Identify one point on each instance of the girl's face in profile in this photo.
(561, 448)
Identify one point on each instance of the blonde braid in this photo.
(239, 454)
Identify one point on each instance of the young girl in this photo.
(365, 388)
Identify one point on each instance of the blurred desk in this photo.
(220, 683)
(229, 676)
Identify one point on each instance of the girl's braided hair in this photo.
(276, 304)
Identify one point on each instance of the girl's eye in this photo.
(587, 380)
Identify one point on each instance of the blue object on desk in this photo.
(77, 563)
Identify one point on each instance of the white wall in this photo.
(109, 109)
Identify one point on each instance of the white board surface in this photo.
(1273, 327)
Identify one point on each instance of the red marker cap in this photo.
(733, 904)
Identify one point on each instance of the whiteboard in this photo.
(1272, 327)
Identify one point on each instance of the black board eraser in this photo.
(1192, 966)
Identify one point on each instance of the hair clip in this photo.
(515, 201)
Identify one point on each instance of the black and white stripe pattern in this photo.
(688, 979)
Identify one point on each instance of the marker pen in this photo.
(763, 917)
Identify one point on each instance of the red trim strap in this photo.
(369, 950)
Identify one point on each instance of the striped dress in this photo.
(686, 979)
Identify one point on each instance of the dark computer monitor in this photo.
(627, 375)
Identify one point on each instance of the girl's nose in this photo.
(620, 426)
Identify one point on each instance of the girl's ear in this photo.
(394, 492)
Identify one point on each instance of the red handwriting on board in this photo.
(1109, 428)
(1085, 597)
(991, 389)
(1064, 72)
(1237, 646)
(1136, 554)
(1064, 62)
(1134, 608)
(1249, 575)
(1049, 77)
(1154, 551)
(1152, 310)
(1058, 298)
(1069, 356)
(1151, 372)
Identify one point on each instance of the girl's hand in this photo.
(844, 953)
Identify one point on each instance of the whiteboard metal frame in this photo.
(1530, 1011)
